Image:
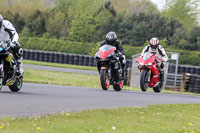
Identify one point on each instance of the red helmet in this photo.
(154, 42)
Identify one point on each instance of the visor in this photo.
(154, 46)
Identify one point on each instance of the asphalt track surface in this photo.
(40, 99)
(58, 69)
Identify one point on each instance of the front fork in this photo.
(148, 71)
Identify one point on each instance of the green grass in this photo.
(60, 78)
(71, 79)
(59, 65)
(152, 119)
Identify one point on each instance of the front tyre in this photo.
(105, 82)
(119, 86)
(17, 85)
(144, 80)
(158, 88)
(1, 83)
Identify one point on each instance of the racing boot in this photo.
(161, 76)
(20, 71)
(124, 71)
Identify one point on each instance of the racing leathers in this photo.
(9, 34)
(120, 50)
(159, 53)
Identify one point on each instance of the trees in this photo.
(183, 10)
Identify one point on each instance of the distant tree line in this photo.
(89, 21)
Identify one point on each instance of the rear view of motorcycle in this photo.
(8, 68)
(109, 68)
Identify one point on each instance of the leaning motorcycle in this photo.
(109, 67)
(150, 76)
(8, 68)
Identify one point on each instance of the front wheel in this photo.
(105, 82)
(17, 85)
(1, 83)
(144, 80)
(119, 86)
(158, 88)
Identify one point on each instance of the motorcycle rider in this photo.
(111, 39)
(9, 34)
(155, 48)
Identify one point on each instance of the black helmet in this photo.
(111, 36)
(1, 21)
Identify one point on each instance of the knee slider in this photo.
(20, 51)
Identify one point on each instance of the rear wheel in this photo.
(119, 86)
(1, 83)
(105, 82)
(17, 85)
(144, 83)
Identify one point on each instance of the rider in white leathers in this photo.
(8, 33)
(159, 52)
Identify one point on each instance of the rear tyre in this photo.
(1, 83)
(159, 88)
(119, 86)
(105, 82)
(17, 85)
(144, 83)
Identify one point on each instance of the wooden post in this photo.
(129, 76)
(183, 83)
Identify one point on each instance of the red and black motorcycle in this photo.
(150, 76)
(109, 67)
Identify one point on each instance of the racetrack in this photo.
(39, 99)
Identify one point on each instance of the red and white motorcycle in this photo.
(150, 76)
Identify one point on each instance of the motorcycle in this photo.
(109, 67)
(8, 68)
(150, 76)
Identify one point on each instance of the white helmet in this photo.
(1, 21)
(154, 42)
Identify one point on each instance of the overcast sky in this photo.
(159, 3)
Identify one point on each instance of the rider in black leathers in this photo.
(111, 39)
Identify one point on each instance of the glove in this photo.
(162, 65)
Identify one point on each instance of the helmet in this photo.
(154, 42)
(1, 21)
(111, 36)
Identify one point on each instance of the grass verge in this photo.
(70, 79)
(59, 65)
(152, 119)
(62, 78)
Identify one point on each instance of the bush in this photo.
(44, 44)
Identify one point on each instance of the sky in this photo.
(160, 3)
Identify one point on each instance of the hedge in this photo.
(59, 45)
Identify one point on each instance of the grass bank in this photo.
(59, 65)
(152, 119)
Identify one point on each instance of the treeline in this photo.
(89, 21)
(60, 45)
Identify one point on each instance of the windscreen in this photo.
(147, 55)
(107, 48)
